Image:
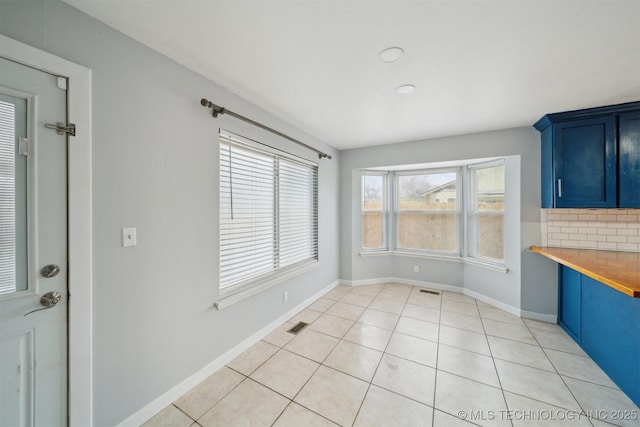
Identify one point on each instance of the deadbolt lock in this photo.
(49, 271)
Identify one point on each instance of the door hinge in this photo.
(23, 146)
(62, 83)
(61, 129)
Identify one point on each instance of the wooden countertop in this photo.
(620, 270)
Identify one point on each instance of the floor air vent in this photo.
(297, 328)
(427, 291)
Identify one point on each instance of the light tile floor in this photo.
(389, 355)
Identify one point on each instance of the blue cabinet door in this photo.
(570, 299)
(611, 334)
(629, 163)
(584, 158)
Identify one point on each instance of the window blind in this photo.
(268, 213)
(7, 199)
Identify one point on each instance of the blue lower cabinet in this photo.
(606, 324)
(611, 334)
(570, 299)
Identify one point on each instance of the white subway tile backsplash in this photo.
(627, 232)
(604, 229)
(629, 247)
(569, 230)
(587, 244)
(608, 246)
(596, 224)
(587, 230)
(616, 225)
(617, 239)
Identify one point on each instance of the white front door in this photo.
(33, 248)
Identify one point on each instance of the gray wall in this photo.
(530, 283)
(155, 167)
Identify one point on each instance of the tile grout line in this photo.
(322, 363)
(374, 372)
(435, 376)
(179, 409)
(493, 360)
(560, 376)
(384, 352)
(223, 397)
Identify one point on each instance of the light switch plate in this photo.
(129, 237)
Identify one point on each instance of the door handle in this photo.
(559, 188)
(48, 300)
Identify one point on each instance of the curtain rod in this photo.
(221, 110)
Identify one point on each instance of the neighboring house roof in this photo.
(445, 186)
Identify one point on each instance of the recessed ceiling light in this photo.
(391, 54)
(405, 89)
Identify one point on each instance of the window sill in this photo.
(494, 267)
(366, 254)
(269, 282)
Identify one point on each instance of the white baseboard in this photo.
(458, 289)
(498, 304)
(383, 280)
(365, 282)
(144, 414)
(550, 318)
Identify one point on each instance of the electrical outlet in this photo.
(416, 269)
(285, 296)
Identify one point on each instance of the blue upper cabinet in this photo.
(591, 158)
(584, 163)
(630, 160)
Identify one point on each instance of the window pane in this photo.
(427, 216)
(434, 191)
(428, 231)
(7, 201)
(491, 235)
(372, 192)
(247, 216)
(489, 184)
(268, 214)
(373, 211)
(297, 208)
(372, 230)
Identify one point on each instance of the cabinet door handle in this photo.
(559, 188)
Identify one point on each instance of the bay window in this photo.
(455, 212)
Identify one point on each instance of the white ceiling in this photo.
(477, 65)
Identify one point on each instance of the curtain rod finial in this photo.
(205, 102)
